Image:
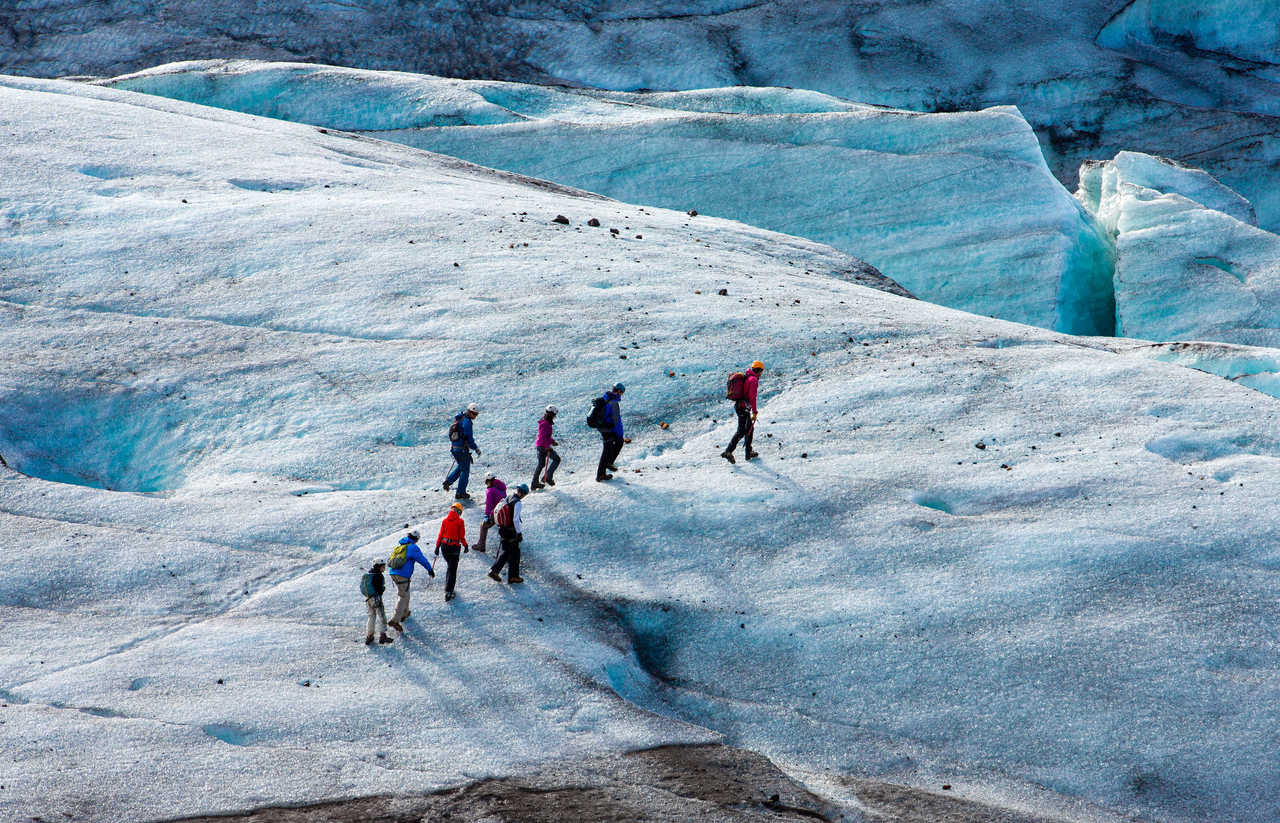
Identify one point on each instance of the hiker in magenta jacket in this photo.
(543, 443)
(495, 493)
(746, 410)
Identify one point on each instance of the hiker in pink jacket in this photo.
(495, 493)
(544, 443)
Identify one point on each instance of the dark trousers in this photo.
(609, 452)
(509, 555)
(451, 554)
(746, 428)
(484, 533)
(545, 453)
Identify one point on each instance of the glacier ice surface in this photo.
(1079, 617)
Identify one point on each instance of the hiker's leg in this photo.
(604, 456)
(451, 576)
(464, 472)
(744, 422)
(615, 450)
(542, 462)
(402, 601)
(555, 462)
(502, 551)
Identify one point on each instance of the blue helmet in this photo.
(619, 388)
(522, 489)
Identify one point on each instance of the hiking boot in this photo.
(537, 486)
(612, 468)
(448, 596)
(480, 549)
(395, 625)
(600, 478)
(495, 576)
(516, 579)
(461, 496)
(445, 485)
(728, 456)
(368, 639)
(548, 481)
(384, 640)
(752, 455)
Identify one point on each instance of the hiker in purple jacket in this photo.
(544, 443)
(495, 493)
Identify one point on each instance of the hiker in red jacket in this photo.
(451, 541)
(744, 405)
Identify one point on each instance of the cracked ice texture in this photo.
(1190, 265)
(1248, 32)
(959, 208)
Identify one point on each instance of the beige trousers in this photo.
(377, 615)
(402, 602)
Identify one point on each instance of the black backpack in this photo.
(454, 432)
(596, 419)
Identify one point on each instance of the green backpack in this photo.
(399, 556)
(366, 585)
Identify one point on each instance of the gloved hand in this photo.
(431, 572)
(477, 452)
(626, 440)
(753, 417)
(437, 551)
(466, 549)
(520, 537)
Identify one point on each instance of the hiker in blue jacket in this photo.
(461, 444)
(402, 575)
(611, 432)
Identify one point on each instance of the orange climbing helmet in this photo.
(758, 366)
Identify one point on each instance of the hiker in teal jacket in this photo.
(403, 575)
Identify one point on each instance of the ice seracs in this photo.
(1190, 263)
(959, 208)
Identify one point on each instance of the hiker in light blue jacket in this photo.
(402, 575)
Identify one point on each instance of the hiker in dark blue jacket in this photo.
(402, 575)
(611, 432)
(461, 444)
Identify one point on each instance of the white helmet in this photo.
(490, 476)
(474, 408)
(552, 410)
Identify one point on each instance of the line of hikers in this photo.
(501, 509)
(504, 510)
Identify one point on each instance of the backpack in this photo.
(505, 513)
(366, 585)
(737, 387)
(455, 433)
(399, 556)
(596, 419)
